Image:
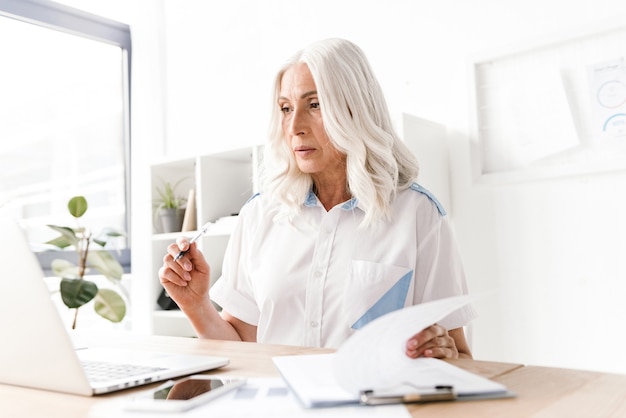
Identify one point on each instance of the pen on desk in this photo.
(201, 232)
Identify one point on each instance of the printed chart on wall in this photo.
(608, 98)
(552, 108)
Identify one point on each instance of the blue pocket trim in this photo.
(391, 301)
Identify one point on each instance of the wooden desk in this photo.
(542, 392)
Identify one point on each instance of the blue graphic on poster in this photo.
(608, 90)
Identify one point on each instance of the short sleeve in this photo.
(233, 291)
(439, 270)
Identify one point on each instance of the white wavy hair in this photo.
(357, 122)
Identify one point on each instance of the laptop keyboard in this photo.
(100, 371)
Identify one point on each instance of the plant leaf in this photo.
(110, 305)
(167, 195)
(64, 269)
(103, 237)
(100, 242)
(76, 292)
(77, 206)
(106, 264)
(67, 238)
(60, 242)
(110, 232)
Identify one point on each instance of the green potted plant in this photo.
(75, 289)
(169, 207)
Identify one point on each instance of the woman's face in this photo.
(303, 126)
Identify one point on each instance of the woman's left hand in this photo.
(433, 341)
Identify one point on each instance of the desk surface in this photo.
(541, 391)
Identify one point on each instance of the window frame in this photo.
(59, 17)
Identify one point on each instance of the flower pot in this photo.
(171, 220)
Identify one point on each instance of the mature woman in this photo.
(340, 233)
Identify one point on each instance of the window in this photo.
(64, 128)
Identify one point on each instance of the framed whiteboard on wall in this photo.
(551, 108)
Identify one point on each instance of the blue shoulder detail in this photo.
(252, 197)
(432, 197)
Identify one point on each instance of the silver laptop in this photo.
(37, 351)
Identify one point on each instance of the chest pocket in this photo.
(373, 290)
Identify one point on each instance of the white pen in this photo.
(202, 231)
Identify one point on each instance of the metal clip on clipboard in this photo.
(435, 394)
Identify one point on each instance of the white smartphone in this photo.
(184, 394)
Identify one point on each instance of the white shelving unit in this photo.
(223, 183)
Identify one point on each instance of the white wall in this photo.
(551, 252)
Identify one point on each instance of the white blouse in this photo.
(314, 281)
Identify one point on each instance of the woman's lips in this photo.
(304, 150)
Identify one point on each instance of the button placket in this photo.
(315, 282)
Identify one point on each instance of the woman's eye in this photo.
(285, 109)
(314, 105)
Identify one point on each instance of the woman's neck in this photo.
(331, 195)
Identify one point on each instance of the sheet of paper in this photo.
(608, 100)
(374, 357)
(259, 398)
(311, 378)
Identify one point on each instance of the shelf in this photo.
(222, 183)
(173, 323)
(214, 231)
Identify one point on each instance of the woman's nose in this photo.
(298, 122)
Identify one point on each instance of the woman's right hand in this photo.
(186, 280)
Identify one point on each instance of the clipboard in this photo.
(313, 381)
